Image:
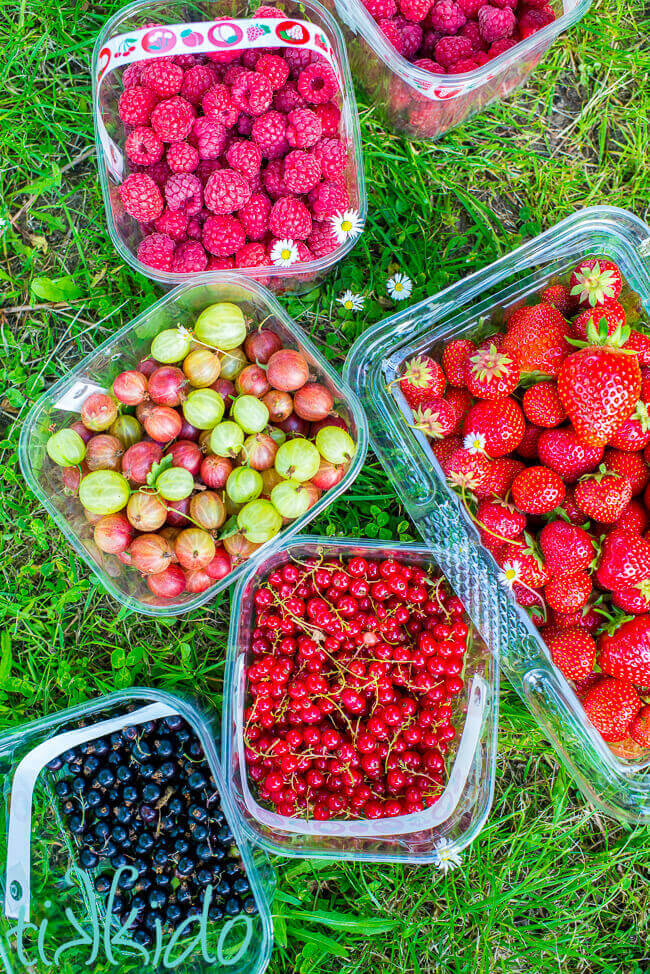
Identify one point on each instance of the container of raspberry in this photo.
(379, 754)
(129, 350)
(615, 776)
(119, 844)
(228, 144)
(431, 64)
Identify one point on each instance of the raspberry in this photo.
(197, 80)
(332, 156)
(269, 132)
(270, 13)
(251, 255)
(173, 223)
(499, 47)
(232, 73)
(322, 239)
(470, 7)
(450, 50)
(328, 199)
(218, 104)
(273, 181)
(533, 20)
(495, 24)
(252, 93)
(131, 74)
(162, 76)
(189, 258)
(428, 65)
(245, 157)
(226, 191)
(182, 157)
(223, 57)
(210, 137)
(411, 35)
(156, 250)
(195, 227)
(136, 105)
(301, 171)
(317, 84)
(245, 125)
(220, 263)
(482, 57)
(380, 9)
(143, 146)
(172, 119)
(286, 99)
(290, 219)
(206, 167)
(223, 236)
(184, 192)
(429, 41)
(304, 128)
(472, 33)
(330, 117)
(159, 172)
(275, 69)
(141, 197)
(392, 34)
(447, 17)
(254, 216)
(415, 10)
(185, 61)
(461, 67)
(297, 60)
(304, 253)
(504, 3)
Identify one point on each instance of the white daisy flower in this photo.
(284, 253)
(474, 442)
(351, 301)
(510, 573)
(399, 287)
(447, 857)
(4, 225)
(347, 224)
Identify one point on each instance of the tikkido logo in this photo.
(110, 935)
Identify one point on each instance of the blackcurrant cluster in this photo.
(145, 797)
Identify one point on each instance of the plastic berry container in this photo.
(421, 105)
(177, 28)
(461, 811)
(620, 787)
(53, 895)
(58, 406)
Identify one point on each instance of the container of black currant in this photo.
(120, 849)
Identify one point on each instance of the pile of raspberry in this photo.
(230, 152)
(454, 36)
(355, 666)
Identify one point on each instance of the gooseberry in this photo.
(85, 434)
(244, 485)
(171, 345)
(252, 381)
(113, 534)
(291, 498)
(287, 370)
(194, 548)
(130, 387)
(127, 429)
(66, 448)
(220, 565)
(98, 412)
(163, 424)
(260, 450)
(297, 459)
(232, 363)
(176, 511)
(293, 425)
(215, 471)
(260, 345)
(175, 484)
(204, 408)
(335, 444)
(227, 439)
(221, 326)
(145, 511)
(166, 386)
(279, 405)
(328, 475)
(202, 367)
(186, 454)
(138, 461)
(259, 521)
(104, 452)
(150, 554)
(239, 548)
(104, 492)
(197, 581)
(168, 584)
(207, 510)
(251, 414)
(313, 402)
(225, 388)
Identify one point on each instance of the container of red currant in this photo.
(120, 846)
(360, 705)
(228, 143)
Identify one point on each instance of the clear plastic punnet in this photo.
(618, 786)
(462, 809)
(185, 28)
(421, 105)
(89, 875)
(60, 405)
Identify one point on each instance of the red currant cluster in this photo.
(355, 665)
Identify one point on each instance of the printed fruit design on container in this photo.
(201, 452)
(236, 159)
(353, 682)
(543, 429)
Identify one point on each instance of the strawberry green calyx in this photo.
(596, 282)
(600, 336)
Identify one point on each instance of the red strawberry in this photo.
(633, 519)
(624, 561)
(639, 342)
(444, 449)
(570, 510)
(565, 593)
(495, 427)
(520, 564)
(590, 321)
(645, 388)
(566, 548)
(466, 470)
(634, 434)
(537, 339)
(610, 706)
(630, 465)
(496, 518)
(573, 652)
(527, 597)
(501, 474)
(563, 452)
(491, 374)
(625, 653)
(582, 687)
(560, 297)
(537, 490)
(435, 418)
(603, 496)
(595, 281)
(640, 727)
(632, 600)
(460, 401)
(423, 379)
(454, 360)
(542, 406)
(528, 444)
(497, 339)
(585, 617)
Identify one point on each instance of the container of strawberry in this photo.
(510, 412)
(431, 64)
(360, 705)
(228, 143)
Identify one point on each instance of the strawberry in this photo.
(634, 434)
(454, 360)
(565, 593)
(494, 427)
(633, 519)
(460, 401)
(496, 518)
(491, 374)
(603, 496)
(444, 449)
(566, 548)
(501, 474)
(528, 444)
(573, 652)
(645, 378)
(519, 563)
(560, 297)
(542, 406)
(423, 379)
(599, 387)
(625, 653)
(595, 281)
(467, 470)
(590, 320)
(585, 617)
(526, 597)
(435, 418)
(569, 510)
(640, 727)
(639, 342)
(632, 600)
(611, 705)
(624, 561)
(497, 339)
(563, 452)
(537, 490)
(537, 339)
(630, 465)
(582, 687)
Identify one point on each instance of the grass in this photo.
(550, 886)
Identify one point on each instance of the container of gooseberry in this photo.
(462, 744)
(116, 495)
(613, 777)
(105, 861)
(190, 35)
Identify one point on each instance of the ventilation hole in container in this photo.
(16, 890)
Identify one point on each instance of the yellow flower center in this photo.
(346, 226)
(399, 287)
(286, 254)
(348, 305)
